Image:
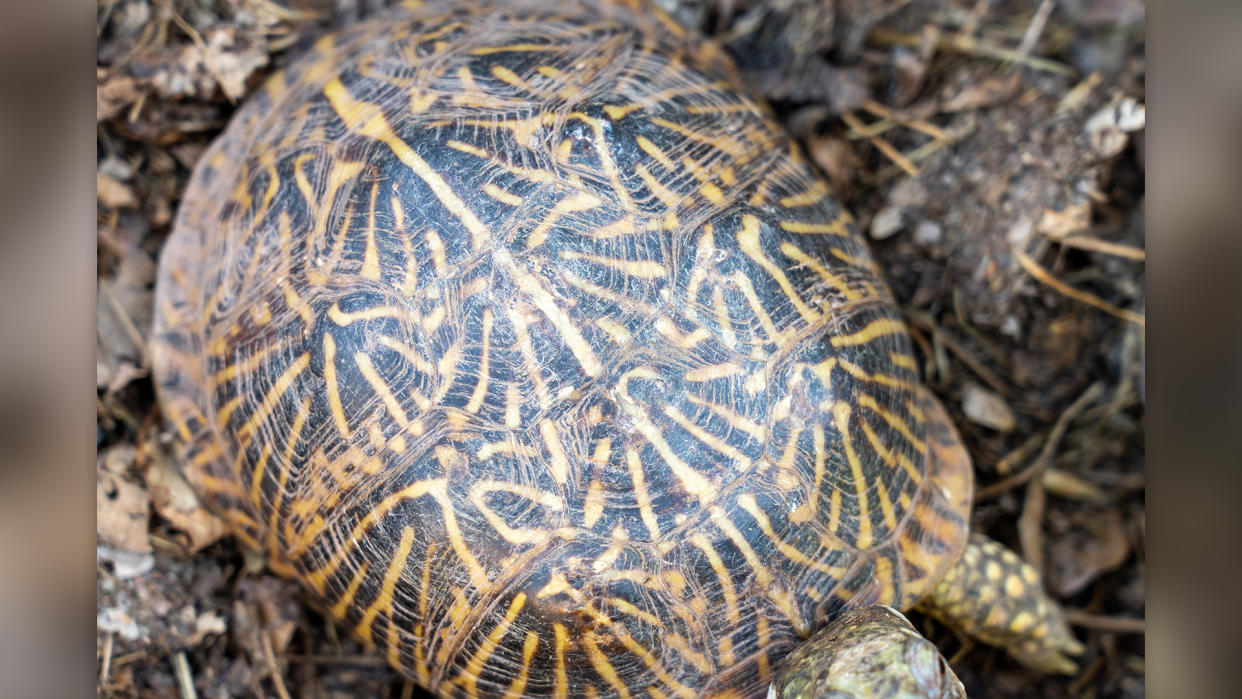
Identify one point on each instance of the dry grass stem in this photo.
(1103, 622)
(969, 46)
(185, 680)
(1041, 275)
(270, 658)
(1055, 436)
(882, 145)
(1083, 242)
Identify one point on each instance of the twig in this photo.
(1031, 523)
(969, 46)
(1008, 461)
(1085, 242)
(1035, 28)
(284, 13)
(202, 46)
(920, 125)
(917, 155)
(105, 672)
(185, 681)
(128, 325)
(1041, 275)
(129, 658)
(1050, 445)
(871, 130)
(1067, 485)
(1087, 676)
(882, 145)
(1103, 622)
(272, 668)
(984, 373)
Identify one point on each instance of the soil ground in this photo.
(993, 153)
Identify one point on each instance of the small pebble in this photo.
(886, 223)
(928, 233)
(986, 408)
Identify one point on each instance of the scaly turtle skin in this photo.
(867, 652)
(534, 348)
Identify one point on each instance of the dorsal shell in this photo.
(531, 344)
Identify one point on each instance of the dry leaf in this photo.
(1096, 545)
(114, 93)
(176, 502)
(977, 94)
(209, 622)
(114, 194)
(232, 64)
(1074, 218)
(836, 158)
(122, 508)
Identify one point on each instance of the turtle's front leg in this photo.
(993, 595)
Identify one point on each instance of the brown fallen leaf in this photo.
(837, 159)
(122, 508)
(176, 502)
(114, 194)
(977, 94)
(1096, 544)
(1074, 218)
(232, 61)
(113, 93)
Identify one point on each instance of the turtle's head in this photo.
(866, 652)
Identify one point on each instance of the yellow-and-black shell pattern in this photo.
(533, 346)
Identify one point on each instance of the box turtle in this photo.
(535, 349)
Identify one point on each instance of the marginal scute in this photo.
(523, 337)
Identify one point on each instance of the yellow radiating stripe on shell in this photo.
(599, 661)
(717, 141)
(580, 201)
(644, 269)
(383, 601)
(333, 387)
(484, 370)
(640, 493)
(691, 480)
(529, 646)
(748, 241)
(712, 441)
(735, 420)
(837, 227)
(797, 255)
(562, 678)
(273, 395)
(502, 196)
(714, 371)
(527, 47)
(762, 575)
(381, 388)
(813, 195)
(549, 306)
(841, 419)
(366, 119)
(347, 597)
(468, 679)
(558, 462)
(865, 400)
(879, 327)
